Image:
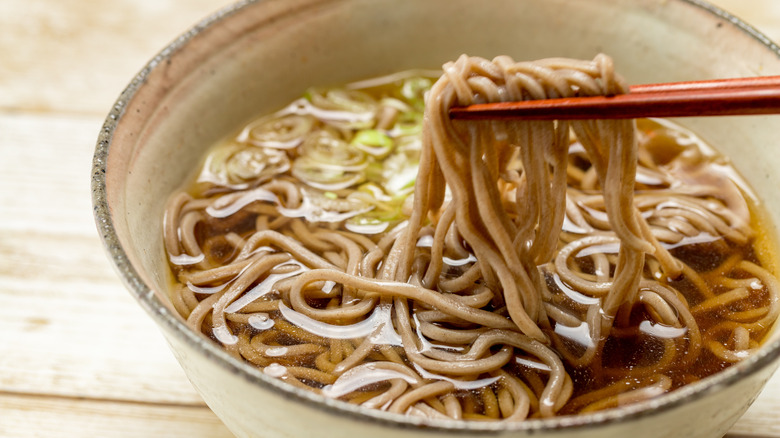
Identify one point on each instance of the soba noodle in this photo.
(471, 270)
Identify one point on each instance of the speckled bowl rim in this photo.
(766, 356)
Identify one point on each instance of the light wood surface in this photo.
(78, 357)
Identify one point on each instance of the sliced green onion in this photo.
(375, 191)
(329, 163)
(381, 202)
(232, 164)
(333, 152)
(353, 107)
(330, 201)
(401, 182)
(373, 142)
(414, 89)
(329, 178)
(408, 123)
(399, 170)
(281, 132)
(395, 103)
(346, 100)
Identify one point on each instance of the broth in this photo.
(334, 172)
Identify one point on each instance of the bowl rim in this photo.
(173, 324)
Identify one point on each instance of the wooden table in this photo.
(78, 357)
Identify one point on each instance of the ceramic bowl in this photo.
(257, 55)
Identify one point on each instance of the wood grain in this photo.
(76, 56)
(46, 417)
(78, 357)
(62, 304)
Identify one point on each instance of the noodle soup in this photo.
(359, 245)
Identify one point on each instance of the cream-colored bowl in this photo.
(258, 55)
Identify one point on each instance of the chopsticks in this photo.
(719, 97)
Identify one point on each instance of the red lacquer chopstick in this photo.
(722, 97)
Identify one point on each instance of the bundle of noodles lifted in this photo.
(356, 246)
